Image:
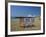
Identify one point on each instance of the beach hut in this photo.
(26, 22)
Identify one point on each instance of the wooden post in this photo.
(21, 23)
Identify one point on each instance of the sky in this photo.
(17, 11)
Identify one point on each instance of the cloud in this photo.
(31, 15)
